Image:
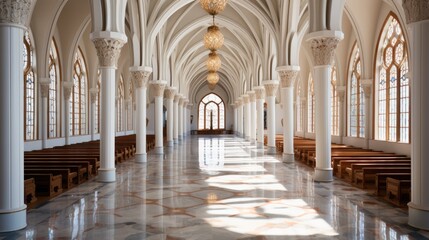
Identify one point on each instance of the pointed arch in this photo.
(78, 110)
(55, 77)
(119, 104)
(30, 89)
(356, 99)
(311, 104)
(335, 130)
(211, 112)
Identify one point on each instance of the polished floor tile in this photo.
(216, 188)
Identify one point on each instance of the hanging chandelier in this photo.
(213, 7)
(213, 62)
(213, 78)
(213, 39)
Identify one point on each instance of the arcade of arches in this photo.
(298, 78)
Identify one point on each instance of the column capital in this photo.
(68, 87)
(108, 46)
(185, 102)
(170, 92)
(366, 86)
(240, 101)
(190, 105)
(288, 75)
(341, 92)
(259, 92)
(271, 87)
(177, 97)
(245, 98)
(323, 45)
(16, 12)
(158, 87)
(140, 76)
(252, 96)
(44, 86)
(416, 10)
(94, 94)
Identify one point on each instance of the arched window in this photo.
(334, 102)
(356, 97)
(131, 106)
(211, 113)
(30, 89)
(78, 100)
(393, 89)
(311, 104)
(119, 103)
(299, 109)
(97, 104)
(54, 76)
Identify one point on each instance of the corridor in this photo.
(215, 188)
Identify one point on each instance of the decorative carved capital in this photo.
(140, 77)
(177, 98)
(323, 50)
(416, 10)
(271, 87)
(44, 86)
(68, 88)
(341, 93)
(240, 102)
(16, 11)
(245, 98)
(288, 75)
(94, 94)
(367, 87)
(158, 87)
(252, 96)
(260, 92)
(108, 51)
(185, 102)
(170, 92)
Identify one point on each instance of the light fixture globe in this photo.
(213, 39)
(213, 7)
(212, 78)
(213, 62)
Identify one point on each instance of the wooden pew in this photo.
(93, 162)
(367, 175)
(335, 161)
(85, 170)
(69, 179)
(357, 167)
(46, 184)
(29, 190)
(380, 181)
(347, 164)
(398, 191)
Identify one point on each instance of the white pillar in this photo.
(240, 117)
(93, 94)
(288, 75)
(185, 114)
(159, 87)
(44, 90)
(341, 92)
(180, 128)
(169, 93)
(418, 28)
(323, 45)
(176, 118)
(234, 126)
(68, 87)
(140, 76)
(108, 46)
(252, 105)
(271, 87)
(260, 99)
(367, 89)
(12, 25)
(246, 117)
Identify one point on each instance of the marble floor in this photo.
(216, 188)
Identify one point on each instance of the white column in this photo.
(12, 25)
(44, 90)
(108, 46)
(240, 117)
(271, 87)
(140, 76)
(288, 75)
(180, 128)
(234, 128)
(246, 117)
(93, 94)
(260, 99)
(341, 92)
(418, 28)
(68, 87)
(323, 46)
(169, 93)
(252, 105)
(159, 87)
(185, 119)
(176, 118)
(367, 89)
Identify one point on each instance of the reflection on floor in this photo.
(222, 189)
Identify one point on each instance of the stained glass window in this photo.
(334, 102)
(311, 104)
(299, 109)
(356, 98)
(211, 113)
(78, 100)
(97, 104)
(393, 89)
(54, 76)
(130, 107)
(30, 90)
(119, 105)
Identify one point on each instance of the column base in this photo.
(418, 217)
(141, 157)
(14, 219)
(180, 138)
(260, 145)
(170, 143)
(253, 141)
(176, 141)
(288, 157)
(106, 175)
(323, 175)
(247, 138)
(159, 150)
(271, 150)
